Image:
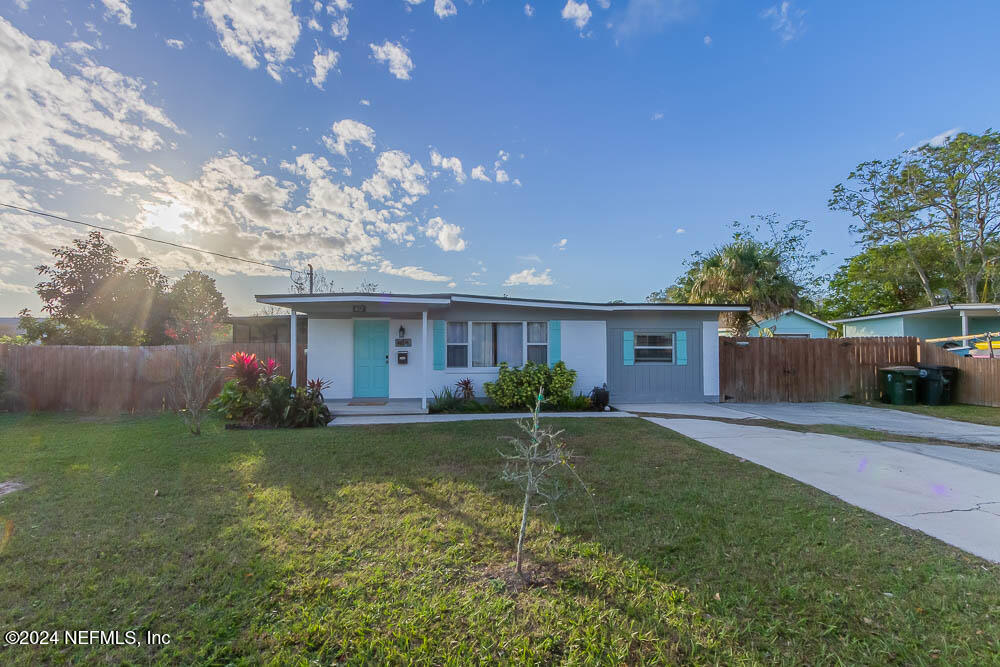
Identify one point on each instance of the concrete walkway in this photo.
(970, 458)
(881, 419)
(473, 417)
(692, 409)
(955, 503)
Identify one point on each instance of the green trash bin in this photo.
(898, 384)
(936, 385)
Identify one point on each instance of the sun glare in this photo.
(172, 217)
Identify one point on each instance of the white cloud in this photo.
(396, 167)
(658, 115)
(577, 12)
(51, 119)
(452, 164)
(937, 140)
(529, 277)
(708, 40)
(339, 28)
(478, 173)
(650, 16)
(119, 9)
(447, 236)
(396, 56)
(323, 62)
(444, 8)
(251, 30)
(349, 131)
(529, 258)
(561, 245)
(503, 155)
(529, 10)
(175, 44)
(314, 24)
(786, 20)
(680, 230)
(502, 176)
(365, 103)
(79, 48)
(604, 4)
(517, 182)
(412, 272)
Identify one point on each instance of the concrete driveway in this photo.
(881, 419)
(953, 495)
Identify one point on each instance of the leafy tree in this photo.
(197, 308)
(95, 297)
(882, 278)
(961, 194)
(770, 272)
(881, 195)
(953, 190)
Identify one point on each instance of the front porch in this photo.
(375, 406)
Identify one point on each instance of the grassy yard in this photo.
(977, 414)
(388, 544)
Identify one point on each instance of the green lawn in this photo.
(977, 414)
(386, 544)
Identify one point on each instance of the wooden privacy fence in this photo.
(978, 381)
(768, 370)
(111, 378)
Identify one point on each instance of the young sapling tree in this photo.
(535, 464)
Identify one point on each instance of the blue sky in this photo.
(571, 151)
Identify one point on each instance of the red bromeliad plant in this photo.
(249, 371)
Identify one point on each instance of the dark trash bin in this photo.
(898, 384)
(936, 385)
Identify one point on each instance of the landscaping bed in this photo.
(392, 544)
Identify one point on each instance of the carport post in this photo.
(965, 322)
(423, 359)
(294, 355)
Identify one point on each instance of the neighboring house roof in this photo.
(256, 319)
(446, 299)
(800, 314)
(929, 311)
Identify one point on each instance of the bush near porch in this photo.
(388, 544)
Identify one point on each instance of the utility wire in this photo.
(144, 238)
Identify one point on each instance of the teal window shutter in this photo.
(555, 342)
(682, 348)
(439, 345)
(628, 348)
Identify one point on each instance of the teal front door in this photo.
(371, 358)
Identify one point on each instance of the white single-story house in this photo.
(407, 346)
(793, 324)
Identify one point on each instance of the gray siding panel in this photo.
(648, 383)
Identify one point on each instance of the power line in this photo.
(144, 238)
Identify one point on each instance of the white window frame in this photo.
(545, 344)
(644, 362)
(466, 344)
(469, 368)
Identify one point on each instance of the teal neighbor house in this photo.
(957, 319)
(793, 324)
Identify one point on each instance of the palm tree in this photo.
(743, 271)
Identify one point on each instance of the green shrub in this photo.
(578, 403)
(518, 387)
(446, 401)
